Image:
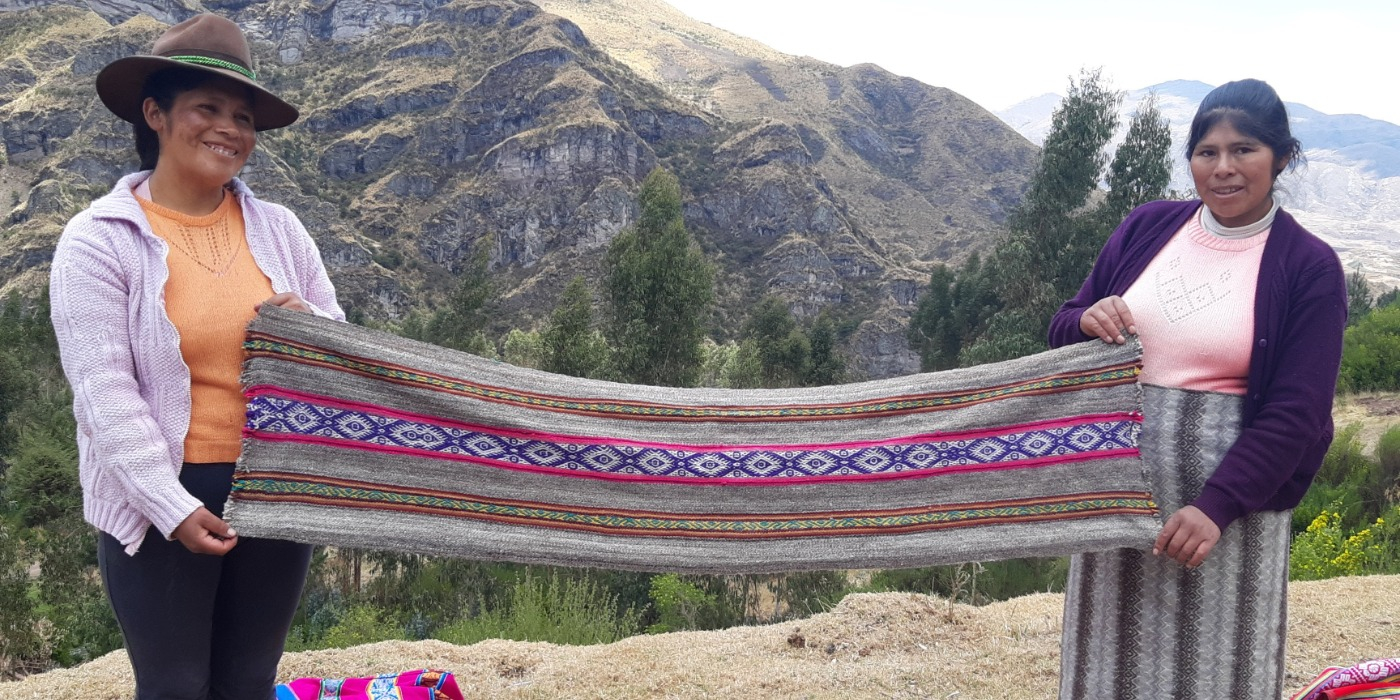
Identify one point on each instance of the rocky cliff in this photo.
(432, 129)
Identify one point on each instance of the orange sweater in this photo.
(214, 284)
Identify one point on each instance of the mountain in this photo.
(433, 128)
(932, 167)
(1348, 191)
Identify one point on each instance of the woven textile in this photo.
(361, 438)
(1336, 679)
(412, 685)
(1138, 626)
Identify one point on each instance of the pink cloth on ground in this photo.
(412, 685)
(1336, 677)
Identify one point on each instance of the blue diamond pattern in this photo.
(274, 414)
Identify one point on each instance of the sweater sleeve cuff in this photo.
(174, 506)
(1218, 506)
(1065, 329)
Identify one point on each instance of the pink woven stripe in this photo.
(279, 392)
(690, 480)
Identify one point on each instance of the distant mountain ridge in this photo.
(1371, 143)
(1348, 192)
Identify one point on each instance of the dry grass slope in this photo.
(888, 645)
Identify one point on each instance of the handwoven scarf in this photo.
(361, 438)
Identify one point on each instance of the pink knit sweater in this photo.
(1194, 310)
(131, 387)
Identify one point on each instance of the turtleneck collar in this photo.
(1215, 228)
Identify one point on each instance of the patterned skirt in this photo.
(1139, 626)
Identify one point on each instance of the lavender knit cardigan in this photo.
(121, 353)
(1300, 311)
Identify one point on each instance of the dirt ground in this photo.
(886, 645)
(1375, 412)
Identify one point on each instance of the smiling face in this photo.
(207, 134)
(1234, 174)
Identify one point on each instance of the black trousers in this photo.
(198, 626)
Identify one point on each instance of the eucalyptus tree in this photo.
(660, 290)
(571, 345)
(1000, 309)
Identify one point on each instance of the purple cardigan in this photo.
(1300, 310)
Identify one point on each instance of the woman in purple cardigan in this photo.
(1240, 312)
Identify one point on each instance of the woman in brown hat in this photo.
(151, 287)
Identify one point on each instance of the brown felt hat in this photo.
(206, 43)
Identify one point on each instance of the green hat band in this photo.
(216, 63)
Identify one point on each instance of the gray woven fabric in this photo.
(360, 438)
(1138, 626)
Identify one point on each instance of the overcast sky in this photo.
(1336, 56)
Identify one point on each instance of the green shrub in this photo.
(743, 369)
(434, 591)
(680, 604)
(1371, 352)
(1388, 464)
(68, 592)
(557, 610)
(321, 608)
(389, 259)
(810, 592)
(42, 479)
(979, 583)
(523, 349)
(1344, 457)
(362, 624)
(1327, 550)
(1388, 540)
(21, 646)
(1341, 501)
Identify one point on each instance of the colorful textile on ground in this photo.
(1336, 682)
(413, 685)
(361, 438)
(1363, 691)
(1138, 626)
